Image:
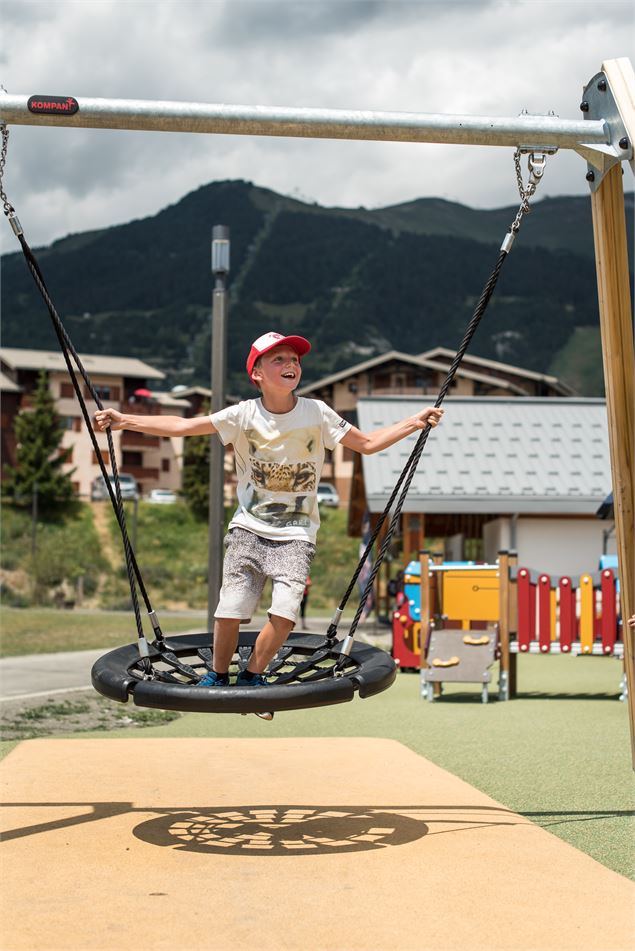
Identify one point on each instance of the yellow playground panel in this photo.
(471, 594)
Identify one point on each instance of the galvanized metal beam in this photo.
(525, 130)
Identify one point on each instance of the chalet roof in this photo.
(416, 361)
(169, 399)
(185, 391)
(21, 359)
(446, 356)
(7, 385)
(539, 455)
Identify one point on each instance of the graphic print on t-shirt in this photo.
(283, 464)
(281, 513)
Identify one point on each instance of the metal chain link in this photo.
(9, 210)
(536, 163)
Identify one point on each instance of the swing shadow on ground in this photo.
(276, 829)
(294, 829)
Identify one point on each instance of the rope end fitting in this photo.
(508, 241)
(156, 627)
(331, 633)
(144, 647)
(14, 221)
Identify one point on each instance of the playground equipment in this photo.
(471, 615)
(604, 138)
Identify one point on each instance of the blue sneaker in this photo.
(257, 680)
(212, 679)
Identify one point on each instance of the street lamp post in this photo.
(220, 270)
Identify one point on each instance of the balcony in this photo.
(401, 390)
(139, 440)
(142, 473)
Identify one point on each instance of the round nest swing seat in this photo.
(302, 674)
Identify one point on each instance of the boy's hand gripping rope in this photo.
(536, 162)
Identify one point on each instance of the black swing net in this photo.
(309, 670)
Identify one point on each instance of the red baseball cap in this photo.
(272, 339)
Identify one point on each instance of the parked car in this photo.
(162, 497)
(327, 495)
(128, 483)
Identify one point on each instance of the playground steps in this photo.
(531, 611)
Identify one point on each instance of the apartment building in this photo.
(124, 383)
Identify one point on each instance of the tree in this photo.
(196, 471)
(39, 456)
(196, 474)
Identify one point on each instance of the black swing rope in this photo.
(536, 165)
(68, 350)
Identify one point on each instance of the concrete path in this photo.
(294, 844)
(34, 675)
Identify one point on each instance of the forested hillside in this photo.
(356, 282)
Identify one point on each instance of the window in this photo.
(105, 455)
(130, 458)
(165, 465)
(104, 391)
(66, 390)
(72, 423)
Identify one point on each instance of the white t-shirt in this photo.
(279, 459)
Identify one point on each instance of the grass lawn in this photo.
(171, 550)
(47, 630)
(559, 755)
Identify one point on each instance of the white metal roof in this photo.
(17, 358)
(493, 454)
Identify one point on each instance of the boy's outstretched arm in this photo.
(367, 443)
(153, 425)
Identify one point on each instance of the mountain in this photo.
(355, 281)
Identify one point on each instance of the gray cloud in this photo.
(295, 20)
(494, 57)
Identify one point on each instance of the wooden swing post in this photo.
(616, 323)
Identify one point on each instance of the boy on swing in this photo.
(279, 441)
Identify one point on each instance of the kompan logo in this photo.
(53, 105)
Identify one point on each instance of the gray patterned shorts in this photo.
(249, 561)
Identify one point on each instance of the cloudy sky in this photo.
(477, 57)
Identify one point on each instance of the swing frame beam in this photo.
(604, 138)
